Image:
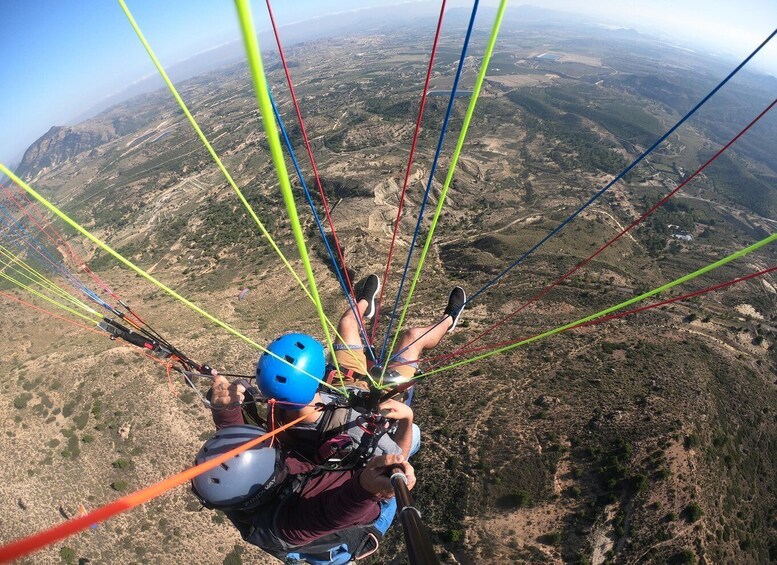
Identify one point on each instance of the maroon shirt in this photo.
(329, 502)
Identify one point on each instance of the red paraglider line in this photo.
(409, 168)
(440, 358)
(74, 256)
(71, 252)
(82, 326)
(618, 236)
(324, 201)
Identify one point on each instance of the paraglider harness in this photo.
(335, 449)
(332, 448)
(257, 527)
(337, 452)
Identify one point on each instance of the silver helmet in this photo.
(245, 481)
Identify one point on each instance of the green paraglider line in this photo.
(126, 262)
(452, 167)
(268, 120)
(36, 277)
(212, 152)
(48, 299)
(581, 321)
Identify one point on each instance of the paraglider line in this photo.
(610, 317)
(621, 233)
(306, 191)
(304, 132)
(622, 173)
(409, 168)
(35, 277)
(660, 289)
(31, 290)
(82, 326)
(27, 545)
(256, 67)
(454, 161)
(625, 313)
(69, 251)
(213, 153)
(433, 169)
(150, 278)
(56, 266)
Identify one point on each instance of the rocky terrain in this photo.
(649, 439)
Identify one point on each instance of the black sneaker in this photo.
(455, 306)
(369, 292)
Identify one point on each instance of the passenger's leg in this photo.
(349, 349)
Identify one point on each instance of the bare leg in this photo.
(348, 326)
(417, 340)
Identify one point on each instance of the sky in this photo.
(60, 58)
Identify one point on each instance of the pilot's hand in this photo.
(226, 394)
(375, 477)
(395, 410)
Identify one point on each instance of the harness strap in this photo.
(334, 374)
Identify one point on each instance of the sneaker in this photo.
(455, 306)
(369, 292)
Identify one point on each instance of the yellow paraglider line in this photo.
(313, 296)
(34, 276)
(48, 298)
(126, 262)
(663, 288)
(451, 169)
(268, 119)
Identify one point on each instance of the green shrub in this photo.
(691, 441)
(233, 557)
(517, 499)
(68, 409)
(662, 474)
(81, 420)
(553, 538)
(123, 464)
(693, 512)
(119, 486)
(97, 408)
(684, 557)
(67, 554)
(20, 402)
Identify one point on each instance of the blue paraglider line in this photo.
(607, 186)
(320, 226)
(56, 266)
(431, 176)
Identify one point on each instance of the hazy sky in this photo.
(59, 58)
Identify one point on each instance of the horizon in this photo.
(66, 80)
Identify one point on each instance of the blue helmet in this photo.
(294, 379)
(245, 481)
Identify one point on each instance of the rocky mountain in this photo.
(60, 144)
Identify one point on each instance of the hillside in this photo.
(649, 439)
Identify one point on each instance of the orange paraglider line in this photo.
(27, 545)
